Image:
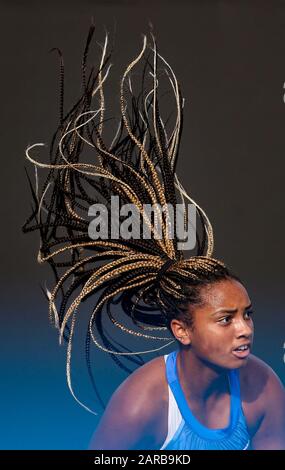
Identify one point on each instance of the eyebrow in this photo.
(230, 310)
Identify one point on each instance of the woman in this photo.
(146, 275)
(211, 393)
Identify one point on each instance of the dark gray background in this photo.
(229, 58)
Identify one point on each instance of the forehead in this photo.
(225, 294)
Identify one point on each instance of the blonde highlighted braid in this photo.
(148, 278)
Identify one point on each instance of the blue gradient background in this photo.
(231, 66)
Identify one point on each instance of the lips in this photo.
(242, 351)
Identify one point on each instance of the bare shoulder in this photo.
(134, 415)
(145, 386)
(142, 392)
(263, 399)
(259, 377)
(148, 378)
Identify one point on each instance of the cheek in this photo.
(211, 338)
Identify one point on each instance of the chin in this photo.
(239, 363)
(230, 365)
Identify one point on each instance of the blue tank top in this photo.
(191, 434)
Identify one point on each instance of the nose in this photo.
(244, 328)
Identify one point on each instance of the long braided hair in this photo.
(148, 278)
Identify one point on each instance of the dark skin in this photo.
(137, 414)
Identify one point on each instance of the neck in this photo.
(200, 380)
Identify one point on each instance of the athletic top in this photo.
(185, 432)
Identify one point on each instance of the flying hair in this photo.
(148, 279)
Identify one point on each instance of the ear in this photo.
(181, 332)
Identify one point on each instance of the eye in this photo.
(248, 314)
(225, 320)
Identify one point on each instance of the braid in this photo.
(149, 279)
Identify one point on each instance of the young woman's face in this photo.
(222, 325)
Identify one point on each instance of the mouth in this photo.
(242, 351)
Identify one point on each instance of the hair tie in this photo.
(164, 268)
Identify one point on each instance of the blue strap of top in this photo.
(189, 418)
